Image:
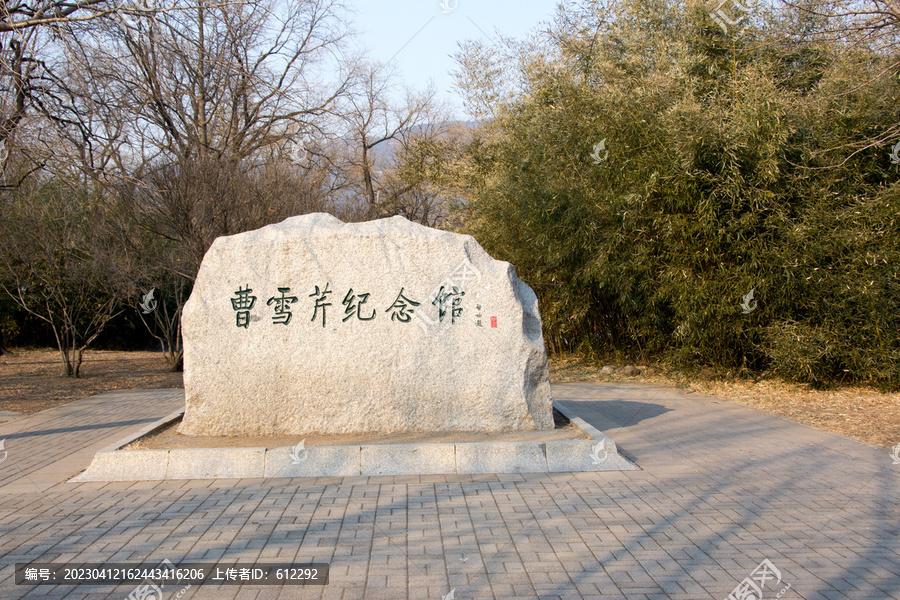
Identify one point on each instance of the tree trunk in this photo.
(67, 370)
(78, 359)
(67, 364)
(178, 362)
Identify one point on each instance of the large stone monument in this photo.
(313, 325)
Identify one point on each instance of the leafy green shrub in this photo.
(732, 165)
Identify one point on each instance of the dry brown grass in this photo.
(30, 381)
(855, 411)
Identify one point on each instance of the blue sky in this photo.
(421, 37)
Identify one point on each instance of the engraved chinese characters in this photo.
(317, 326)
(242, 305)
(402, 309)
(282, 306)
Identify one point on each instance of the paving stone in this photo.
(691, 525)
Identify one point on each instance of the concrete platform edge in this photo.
(599, 454)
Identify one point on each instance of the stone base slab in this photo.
(598, 454)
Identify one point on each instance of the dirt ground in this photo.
(29, 383)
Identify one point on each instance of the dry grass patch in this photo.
(855, 411)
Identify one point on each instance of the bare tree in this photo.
(29, 14)
(226, 81)
(418, 183)
(29, 80)
(188, 117)
(161, 306)
(60, 265)
(383, 147)
(873, 23)
(858, 42)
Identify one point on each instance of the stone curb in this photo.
(8, 416)
(599, 454)
(144, 431)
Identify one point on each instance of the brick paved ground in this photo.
(723, 487)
